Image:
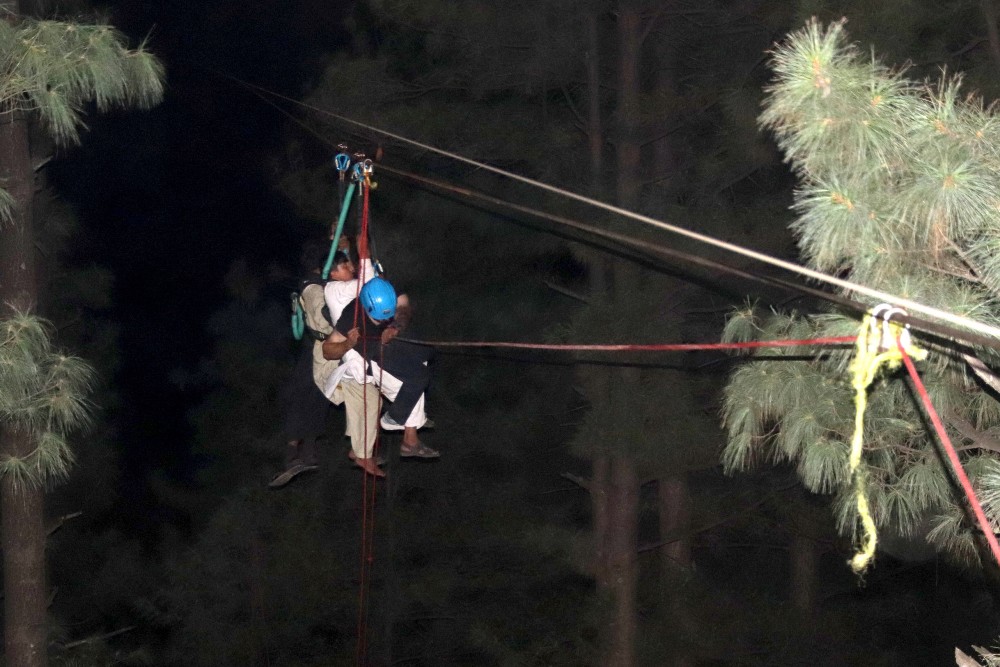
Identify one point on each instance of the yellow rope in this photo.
(868, 360)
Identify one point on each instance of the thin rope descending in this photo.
(930, 311)
(368, 487)
(949, 448)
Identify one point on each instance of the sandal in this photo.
(418, 451)
(293, 471)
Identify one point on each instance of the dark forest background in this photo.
(169, 248)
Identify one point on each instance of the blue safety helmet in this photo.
(378, 298)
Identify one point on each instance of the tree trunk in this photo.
(803, 575)
(18, 289)
(623, 498)
(675, 520)
(21, 507)
(628, 150)
(599, 492)
(664, 156)
(23, 539)
(990, 18)
(595, 130)
(623, 509)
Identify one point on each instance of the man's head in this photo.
(343, 267)
(313, 256)
(378, 299)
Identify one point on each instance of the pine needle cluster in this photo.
(898, 189)
(54, 69)
(43, 394)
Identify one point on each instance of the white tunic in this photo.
(339, 293)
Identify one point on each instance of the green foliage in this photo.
(897, 191)
(43, 393)
(54, 69)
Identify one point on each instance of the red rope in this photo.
(956, 464)
(367, 497)
(667, 347)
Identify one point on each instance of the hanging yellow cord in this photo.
(868, 360)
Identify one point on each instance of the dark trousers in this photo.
(406, 361)
(304, 405)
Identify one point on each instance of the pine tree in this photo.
(49, 71)
(897, 190)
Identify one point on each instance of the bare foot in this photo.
(369, 466)
(379, 459)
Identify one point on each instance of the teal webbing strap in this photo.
(340, 229)
(298, 320)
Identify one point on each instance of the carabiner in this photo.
(886, 331)
(358, 172)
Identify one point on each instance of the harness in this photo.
(300, 325)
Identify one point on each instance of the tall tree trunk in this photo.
(675, 519)
(623, 509)
(803, 576)
(21, 506)
(674, 500)
(623, 498)
(664, 155)
(18, 288)
(599, 496)
(23, 540)
(595, 129)
(628, 152)
(990, 17)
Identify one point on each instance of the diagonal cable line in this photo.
(962, 321)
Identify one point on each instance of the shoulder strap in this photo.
(306, 282)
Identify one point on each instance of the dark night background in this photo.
(198, 208)
(176, 194)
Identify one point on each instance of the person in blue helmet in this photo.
(366, 330)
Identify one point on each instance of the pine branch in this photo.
(980, 440)
(713, 524)
(963, 659)
(983, 372)
(58, 523)
(582, 482)
(98, 638)
(562, 290)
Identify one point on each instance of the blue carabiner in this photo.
(342, 161)
(358, 173)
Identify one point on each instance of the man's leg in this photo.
(305, 410)
(362, 403)
(407, 362)
(391, 386)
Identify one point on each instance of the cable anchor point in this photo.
(888, 333)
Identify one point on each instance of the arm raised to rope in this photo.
(336, 344)
(401, 320)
